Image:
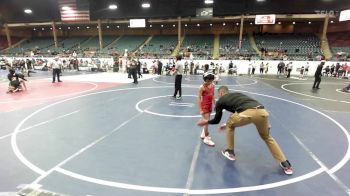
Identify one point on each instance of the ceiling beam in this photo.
(314, 17)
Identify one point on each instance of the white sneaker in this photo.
(207, 140)
(178, 97)
(203, 134)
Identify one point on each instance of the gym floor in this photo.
(99, 134)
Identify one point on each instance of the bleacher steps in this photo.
(113, 42)
(178, 46)
(146, 42)
(216, 46)
(16, 44)
(253, 43)
(325, 48)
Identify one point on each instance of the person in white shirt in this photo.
(179, 69)
(56, 65)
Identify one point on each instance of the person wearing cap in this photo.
(318, 74)
(56, 65)
(245, 110)
(206, 99)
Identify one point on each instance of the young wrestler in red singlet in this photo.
(206, 100)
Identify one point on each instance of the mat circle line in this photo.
(40, 171)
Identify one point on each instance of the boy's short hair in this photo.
(223, 89)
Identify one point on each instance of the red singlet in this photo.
(207, 98)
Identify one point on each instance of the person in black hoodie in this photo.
(318, 75)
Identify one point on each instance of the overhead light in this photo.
(223, 24)
(198, 25)
(97, 27)
(237, 23)
(78, 27)
(118, 26)
(50, 28)
(88, 27)
(68, 27)
(173, 25)
(309, 22)
(66, 8)
(113, 6)
(332, 21)
(251, 23)
(211, 24)
(34, 29)
(150, 25)
(209, 1)
(260, 0)
(28, 11)
(161, 25)
(279, 23)
(293, 22)
(146, 5)
(107, 27)
(185, 25)
(42, 29)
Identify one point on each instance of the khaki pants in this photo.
(259, 117)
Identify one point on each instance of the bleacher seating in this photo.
(229, 47)
(37, 44)
(340, 45)
(67, 44)
(298, 46)
(201, 46)
(129, 42)
(160, 46)
(4, 44)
